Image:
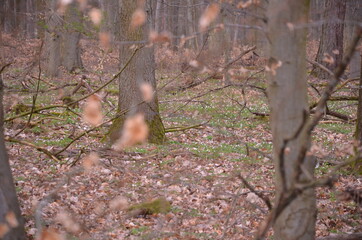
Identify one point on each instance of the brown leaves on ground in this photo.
(209, 15)
(90, 161)
(119, 203)
(135, 130)
(92, 113)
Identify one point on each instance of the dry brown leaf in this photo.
(4, 229)
(328, 58)
(290, 26)
(51, 234)
(273, 65)
(209, 15)
(92, 113)
(335, 51)
(243, 4)
(135, 130)
(163, 37)
(105, 40)
(90, 161)
(62, 6)
(95, 15)
(11, 219)
(119, 203)
(194, 63)
(147, 91)
(138, 18)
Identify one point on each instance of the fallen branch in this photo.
(214, 74)
(351, 236)
(40, 149)
(178, 129)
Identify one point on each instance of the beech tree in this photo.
(140, 70)
(330, 51)
(11, 221)
(71, 36)
(62, 38)
(289, 109)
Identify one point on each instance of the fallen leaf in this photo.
(209, 15)
(138, 18)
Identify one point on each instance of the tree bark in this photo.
(331, 41)
(52, 41)
(30, 19)
(111, 24)
(288, 102)
(71, 50)
(353, 17)
(140, 70)
(8, 198)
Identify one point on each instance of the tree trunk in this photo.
(52, 41)
(159, 16)
(71, 49)
(358, 133)
(331, 41)
(111, 24)
(174, 21)
(288, 102)
(353, 16)
(140, 70)
(9, 16)
(8, 199)
(30, 19)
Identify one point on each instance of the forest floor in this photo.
(197, 170)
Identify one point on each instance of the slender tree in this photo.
(9, 206)
(140, 70)
(289, 108)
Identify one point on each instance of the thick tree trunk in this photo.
(140, 70)
(331, 41)
(71, 49)
(8, 199)
(52, 41)
(288, 102)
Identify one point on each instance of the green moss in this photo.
(160, 205)
(156, 131)
(21, 107)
